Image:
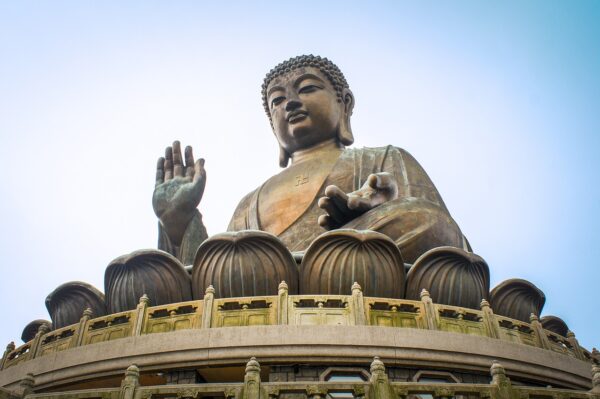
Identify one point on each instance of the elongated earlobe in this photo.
(284, 157)
(345, 133)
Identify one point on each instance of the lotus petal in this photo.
(152, 272)
(555, 324)
(451, 275)
(243, 263)
(32, 328)
(338, 258)
(67, 303)
(517, 299)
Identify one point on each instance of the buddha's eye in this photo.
(276, 101)
(308, 88)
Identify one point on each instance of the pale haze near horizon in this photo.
(499, 102)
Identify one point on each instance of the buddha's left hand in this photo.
(343, 207)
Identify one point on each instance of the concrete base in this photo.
(286, 344)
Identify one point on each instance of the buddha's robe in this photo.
(417, 220)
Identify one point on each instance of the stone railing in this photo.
(284, 309)
(378, 386)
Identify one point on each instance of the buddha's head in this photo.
(308, 102)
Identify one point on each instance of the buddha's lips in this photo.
(296, 116)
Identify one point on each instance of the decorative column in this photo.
(575, 345)
(380, 385)
(209, 299)
(252, 389)
(489, 320)
(358, 305)
(9, 348)
(37, 340)
(431, 316)
(282, 303)
(82, 327)
(140, 315)
(130, 382)
(542, 338)
(502, 388)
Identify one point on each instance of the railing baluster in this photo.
(209, 299)
(130, 383)
(140, 315)
(358, 305)
(491, 323)
(431, 315)
(282, 303)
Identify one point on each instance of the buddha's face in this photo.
(304, 109)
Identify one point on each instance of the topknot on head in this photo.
(328, 68)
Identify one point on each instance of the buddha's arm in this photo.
(177, 194)
(194, 235)
(245, 216)
(392, 174)
(413, 181)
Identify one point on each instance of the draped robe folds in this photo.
(417, 220)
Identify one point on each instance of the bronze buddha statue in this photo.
(326, 186)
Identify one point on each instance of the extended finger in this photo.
(160, 171)
(199, 176)
(359, 204)
(383, 180)
(326, 222)
(177, 160)
(189, 162)
(339, 198)
(373, 181)
(168, 163)
(329, 206)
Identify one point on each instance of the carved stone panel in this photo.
(67, 303)
(243, 263)
(518, 299)
(154, 273)
(338, 258)
(451, 275)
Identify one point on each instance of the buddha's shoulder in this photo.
(385, 151)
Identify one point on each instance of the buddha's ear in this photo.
(345, 133)
(284, 157)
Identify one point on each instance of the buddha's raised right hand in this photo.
(178, 190)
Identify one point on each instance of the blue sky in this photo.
(498, 101)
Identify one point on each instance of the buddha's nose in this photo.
(293, 103)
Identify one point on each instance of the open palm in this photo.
(178, 191)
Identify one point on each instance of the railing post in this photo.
(502, 388)
(595, 379)
(431, 316)
(358, 305)
(251, 389)
(27, 384)
(282, 303)
(491, 324)
(140, 315)
(82, 327)
(380, 387)
(130, 382)
(209, 299)
(542, 338)
(9, 348)
(37, 340)
(575, 344)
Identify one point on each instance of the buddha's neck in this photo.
(317, 151)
